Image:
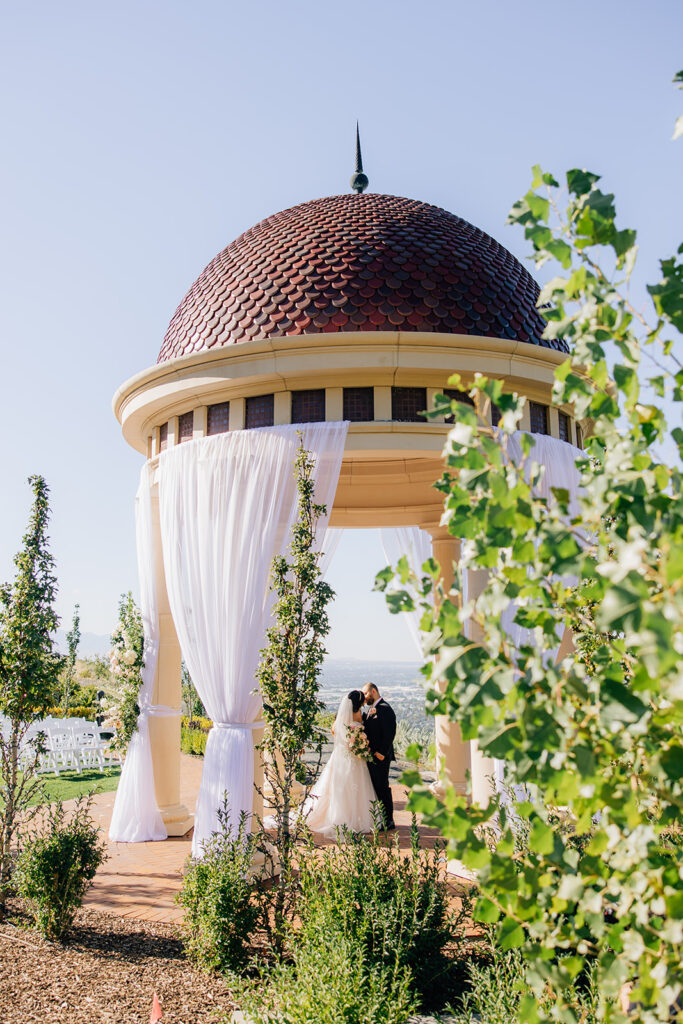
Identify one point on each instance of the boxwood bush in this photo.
(57, 863)
(218, 896)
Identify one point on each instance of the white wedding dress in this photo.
(344, 794)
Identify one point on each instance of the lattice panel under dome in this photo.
(538, 418)
(564, 427)
(408, 404)
(359, 405)
(185, 427)
(308, 406)
(260, 411)
(218, 418)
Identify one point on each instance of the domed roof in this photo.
(357, 262)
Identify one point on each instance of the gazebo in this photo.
(344, 315)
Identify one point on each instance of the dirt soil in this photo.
(105, 971)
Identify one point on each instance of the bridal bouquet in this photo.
(357, 742)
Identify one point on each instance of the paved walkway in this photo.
(140, 880)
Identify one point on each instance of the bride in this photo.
(343, 795)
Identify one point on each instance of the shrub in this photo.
(496, 988)
(396, 909)
(57, 864)
(218, 898)
(203, 724)
(80, 711)
(193, 741)
(328, 983)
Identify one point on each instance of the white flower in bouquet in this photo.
(357, 743)
(130, 657)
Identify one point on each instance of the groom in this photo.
(380, 726)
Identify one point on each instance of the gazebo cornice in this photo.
(325, 361)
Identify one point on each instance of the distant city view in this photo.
(399, 682)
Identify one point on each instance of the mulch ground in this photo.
(105, 971)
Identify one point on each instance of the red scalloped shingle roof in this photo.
(354, 262)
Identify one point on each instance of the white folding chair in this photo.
(89, 745)
(62, 747)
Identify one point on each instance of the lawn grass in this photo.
(69, 785)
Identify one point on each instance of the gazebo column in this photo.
(452, 752)
(164, 729)
(259, 782)
(482, 768)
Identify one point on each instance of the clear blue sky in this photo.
(140, 138)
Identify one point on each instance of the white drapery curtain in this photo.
(136, 817)
(226, 505)
(330, 543)
(416, 545)
(559, 460)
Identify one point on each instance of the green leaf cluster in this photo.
(594, 741)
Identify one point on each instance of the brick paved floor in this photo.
(140, 880)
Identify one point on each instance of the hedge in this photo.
(78, 712)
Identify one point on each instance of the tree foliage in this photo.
(595, 743)
(29, 666)
(28, 660)
(288, 676)
(126, 661)
(73, 639)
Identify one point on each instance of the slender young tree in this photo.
(73, 639)
(29, 666)
(288, 676)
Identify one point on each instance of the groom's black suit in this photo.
(380, 728)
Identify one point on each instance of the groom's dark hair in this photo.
(357, 698)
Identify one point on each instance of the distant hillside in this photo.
(90, 645)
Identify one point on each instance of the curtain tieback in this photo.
(158, 709)
(239, 725)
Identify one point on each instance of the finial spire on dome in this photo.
(359, 180)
